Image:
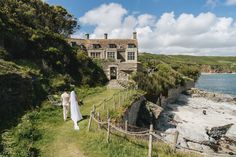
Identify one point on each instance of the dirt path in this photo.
(65, 144)
(60, 139)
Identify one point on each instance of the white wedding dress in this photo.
(75, 111)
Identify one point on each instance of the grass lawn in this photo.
(59, 139)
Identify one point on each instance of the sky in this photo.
(187, 27)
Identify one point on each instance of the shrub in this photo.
(19, 141)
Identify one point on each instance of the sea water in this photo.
(219, 83)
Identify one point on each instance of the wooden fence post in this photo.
(126, 125)
(108, 129)
(114, 99)
(119, 99)
(122, 98)
(99, 120)
(108, 114)
(150, 141)
(90, 120)
(175, 140)
(94, 108)
(103, 105)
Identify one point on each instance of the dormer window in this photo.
(112, 45)
(131, 46)
(96, 46)
(73, 44)
(82, 46)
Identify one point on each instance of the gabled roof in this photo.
(104, 42)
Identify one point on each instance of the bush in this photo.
(190, 71)
(3, 53)
(159, 81)
(19, 141)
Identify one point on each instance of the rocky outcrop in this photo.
(174, 93)
(131, 113)
(216, 97)
(216, 69)
(218, 132)
(214, 131)
(142, 113)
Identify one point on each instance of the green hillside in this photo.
(205, 63)
(36, 61)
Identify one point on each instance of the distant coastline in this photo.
(209, 73)
(218, 83)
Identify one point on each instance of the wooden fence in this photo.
(113, 128)
(150, 133)
(116, 101)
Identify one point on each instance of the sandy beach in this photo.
(192, 115)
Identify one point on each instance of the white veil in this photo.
(74, 108)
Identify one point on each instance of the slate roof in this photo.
(104, 43)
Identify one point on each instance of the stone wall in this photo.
(123, 69)
(174, 93)
(123, 76)
(143, 112)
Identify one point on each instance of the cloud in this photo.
(212, 3)
(230, 2)
(105, 18)
(204, 34)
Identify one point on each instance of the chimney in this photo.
(105, 35)
(87, 36)
(134, 35)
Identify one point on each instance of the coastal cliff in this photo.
(143, 112)
(216, 69)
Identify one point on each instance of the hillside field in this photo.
(206, 63)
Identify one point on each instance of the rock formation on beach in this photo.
(206, 122)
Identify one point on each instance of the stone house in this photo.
(119, 55)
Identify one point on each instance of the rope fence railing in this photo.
(116, 101)
(103, 120)
(112, 128)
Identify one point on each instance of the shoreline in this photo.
(201, 116)
(215, 96)
(205, 73)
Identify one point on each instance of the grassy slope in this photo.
(225, 62)
(59, 138)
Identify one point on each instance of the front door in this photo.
(113, 73)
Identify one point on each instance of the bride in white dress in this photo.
(75, 111)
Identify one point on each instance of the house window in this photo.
(131, 46)
(73, 44)
(96, 46)
(95, 54)
(112, 45)
(82, 46)
(111, 55)
(131, 56)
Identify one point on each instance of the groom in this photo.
(65, 98)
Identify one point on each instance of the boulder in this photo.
(218, 132)
(195, 146)
(231, 133)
